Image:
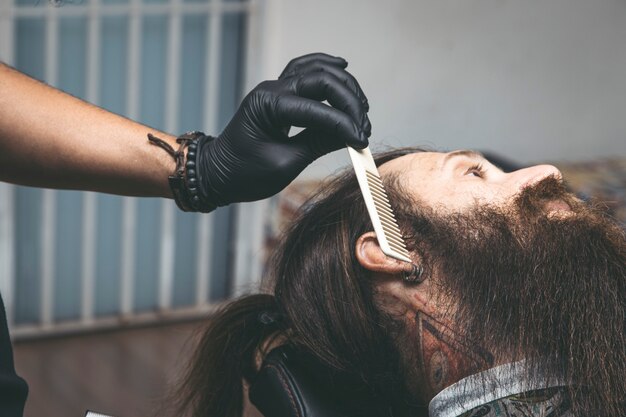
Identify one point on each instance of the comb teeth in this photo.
(385, 214)
(387, 231)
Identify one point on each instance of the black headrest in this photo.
(295, 384)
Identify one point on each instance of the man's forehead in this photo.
(424, 161)
(408, 162)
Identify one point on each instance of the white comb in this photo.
(385, 226)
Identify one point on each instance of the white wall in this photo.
(532, 79)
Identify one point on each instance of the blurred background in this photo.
(104, 293)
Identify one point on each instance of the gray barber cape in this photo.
(497, 392)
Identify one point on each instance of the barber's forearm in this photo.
(51, 139)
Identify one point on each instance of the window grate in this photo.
(42, 292)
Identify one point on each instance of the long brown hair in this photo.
(324, 298)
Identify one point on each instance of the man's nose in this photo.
(530, 176)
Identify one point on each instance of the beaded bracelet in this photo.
(184, 182)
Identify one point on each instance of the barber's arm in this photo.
(51, 139)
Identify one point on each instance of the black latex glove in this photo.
(254, 157)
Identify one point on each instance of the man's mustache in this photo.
(551, 192)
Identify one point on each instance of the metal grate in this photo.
(134, 16)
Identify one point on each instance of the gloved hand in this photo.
(254, 157)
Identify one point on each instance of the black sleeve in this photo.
(13, 389)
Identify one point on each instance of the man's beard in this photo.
(520, 283)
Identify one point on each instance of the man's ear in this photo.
(396, 295)
(371, 257)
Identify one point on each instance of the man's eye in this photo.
(476, 170)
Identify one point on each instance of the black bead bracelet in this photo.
(184, 181)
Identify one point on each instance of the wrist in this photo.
(183, 178)
(193, 197)
(165, 165)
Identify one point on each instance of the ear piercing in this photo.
(414, 276)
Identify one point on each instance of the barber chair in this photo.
(295, 384)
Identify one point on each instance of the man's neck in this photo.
(444, 357)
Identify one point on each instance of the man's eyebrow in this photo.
(467, 153)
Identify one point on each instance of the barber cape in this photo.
(498, 392)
